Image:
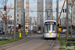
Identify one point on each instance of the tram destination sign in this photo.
(49, 22)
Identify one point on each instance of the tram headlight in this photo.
(53, 31)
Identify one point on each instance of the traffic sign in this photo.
(21, 27)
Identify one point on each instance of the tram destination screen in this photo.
(49, 22)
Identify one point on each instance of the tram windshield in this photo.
(54, 27)
(47, 28)
(50, 26)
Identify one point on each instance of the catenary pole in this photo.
(6, 20)
(67, 20)
(14, 19)
(57, 15)
(24, 23)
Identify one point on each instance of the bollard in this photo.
(57, 35)
(9, 33)
(19, 34)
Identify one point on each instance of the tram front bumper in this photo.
(50, 36)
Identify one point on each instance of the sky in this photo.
(33, 7)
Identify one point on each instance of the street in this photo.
(37, 24)
(32, 43)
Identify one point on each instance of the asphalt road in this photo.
(32, 42)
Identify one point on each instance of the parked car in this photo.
(39, 31)
(1, 32)
(73, 32)
(34, 31)
(61, 32)
(64, 30)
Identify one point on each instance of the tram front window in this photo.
(54, 27)
(47, 28)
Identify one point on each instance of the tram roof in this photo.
(50, 21)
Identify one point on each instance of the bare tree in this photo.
(3, 2)
(9, 6)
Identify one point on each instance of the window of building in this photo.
(17, 6)
(20, 3)
(27, 2)
(17, 11)
(17, 15)
(17, 23)
(17, 20)
(11, 16)
(20, 6)
(17, 3)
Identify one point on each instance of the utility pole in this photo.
(6, 20)
(23, 19)
(67, 20)
(57, 15)
(6, 25)
(34, 23)
(23, 23)
(71, 22)
(34, 20)
(47, 14)
(30, 23)
(14, 19)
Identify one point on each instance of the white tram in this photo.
(50, 29)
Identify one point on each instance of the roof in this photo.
(50, 21)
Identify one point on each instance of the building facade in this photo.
(73, 14)
(48, 9)
(19, 8)
(40, 12)
(27, 11)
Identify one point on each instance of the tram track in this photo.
(45, 44)
(51, 44)
(41, 45)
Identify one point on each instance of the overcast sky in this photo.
(33, 7)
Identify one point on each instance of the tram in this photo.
(50, 29)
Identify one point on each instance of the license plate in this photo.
(50, 34)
